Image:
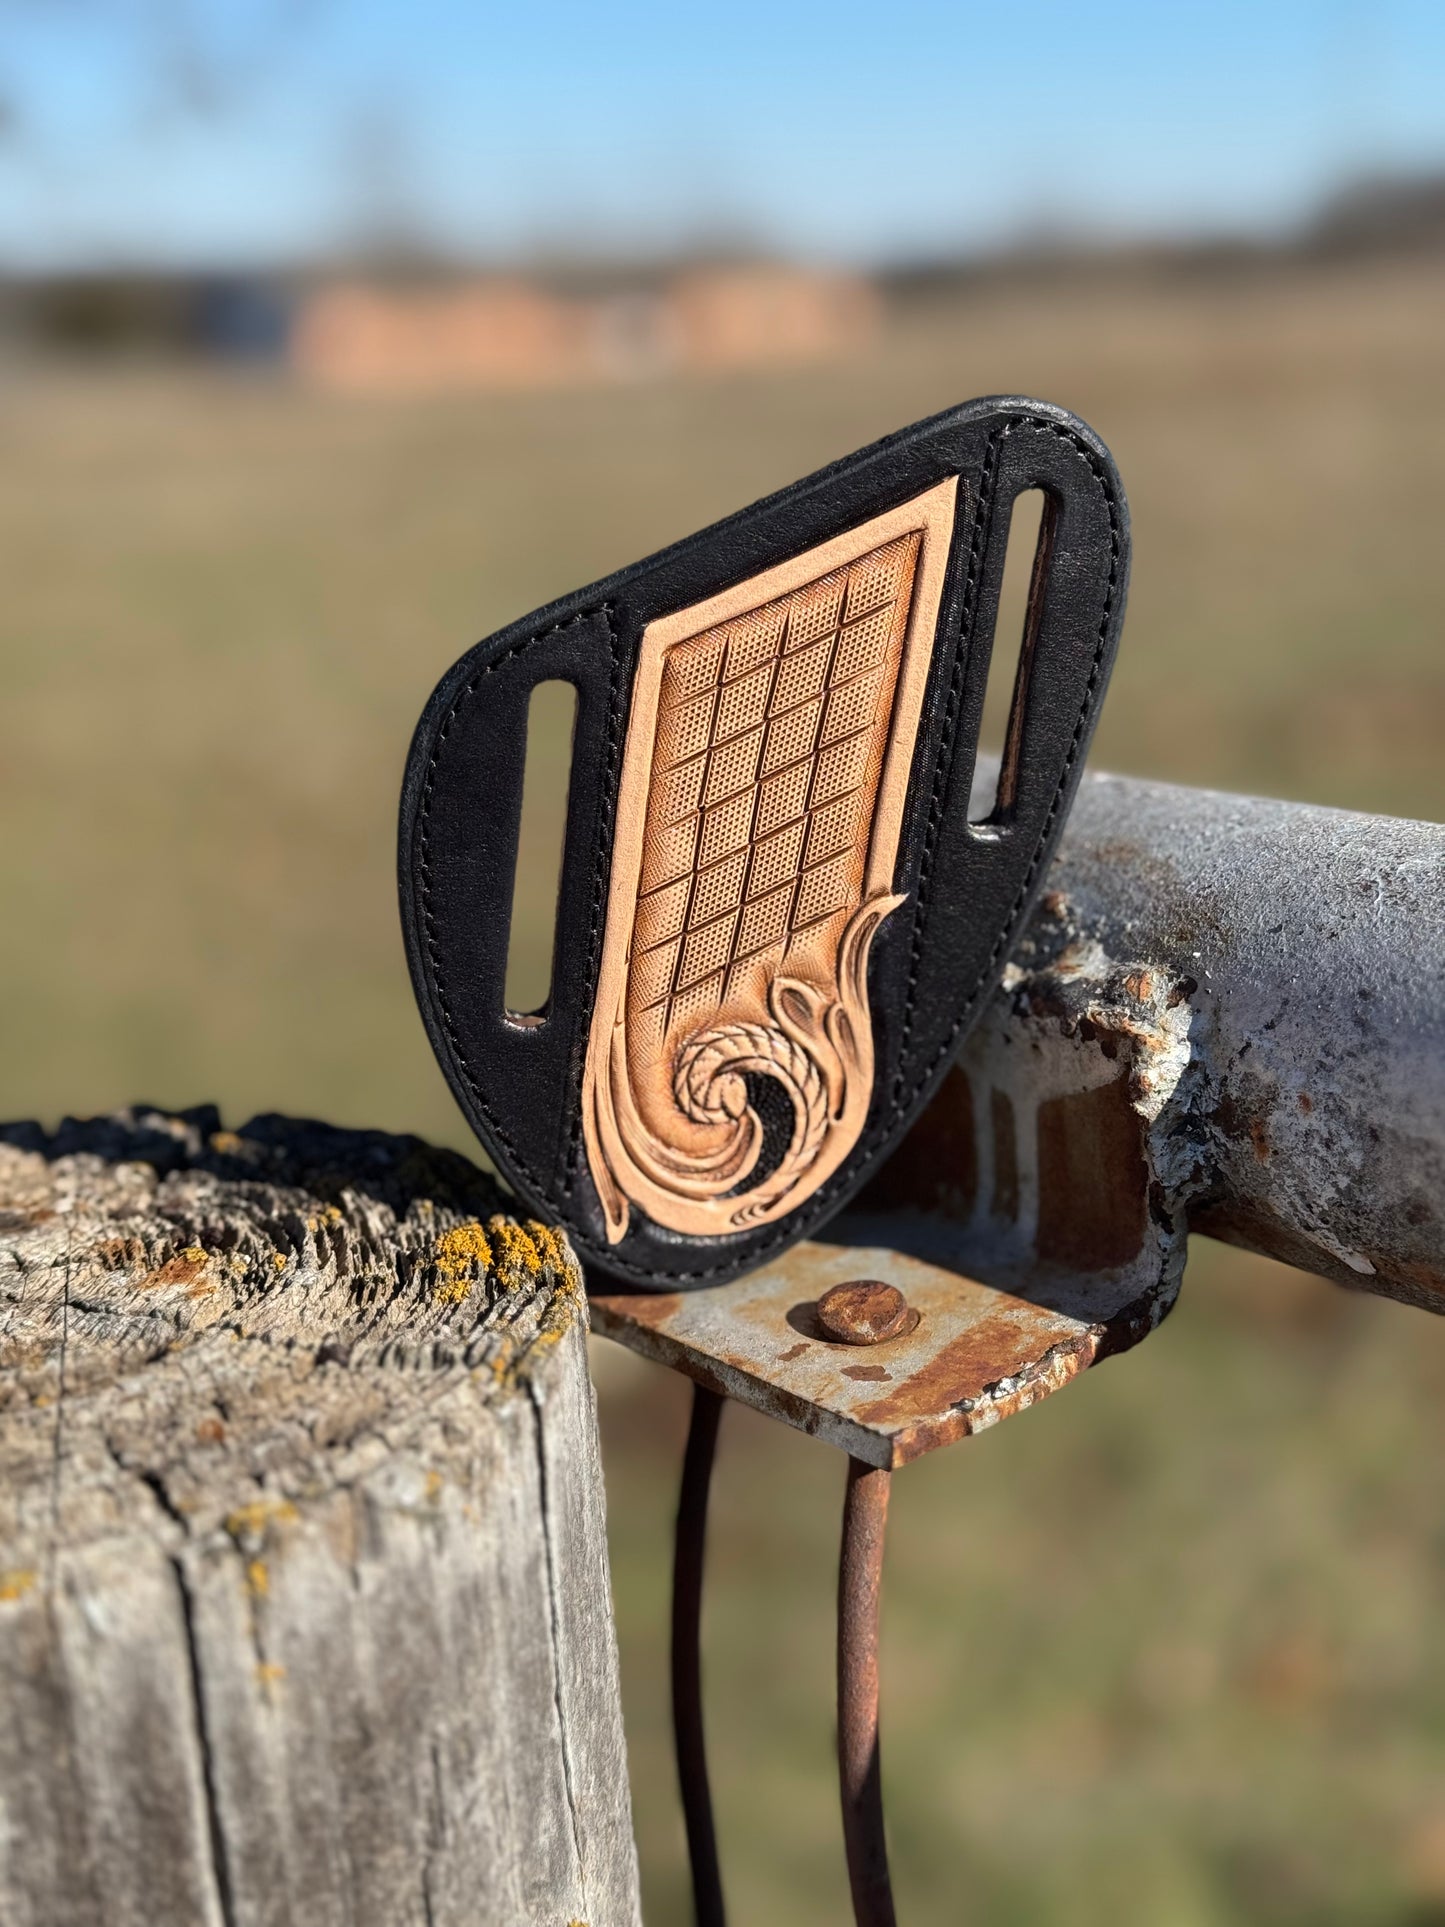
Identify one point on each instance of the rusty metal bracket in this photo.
(975, 1355)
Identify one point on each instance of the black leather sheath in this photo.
(966, 887)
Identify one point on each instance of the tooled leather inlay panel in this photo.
(731, 1059)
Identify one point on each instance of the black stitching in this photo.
(943, 767)
(434, 970)
(597, 916)
(1005, 936)
(815, 1209)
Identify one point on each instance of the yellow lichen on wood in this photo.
(461, 1256)
(518, 1255)
(519, 1260)
(549, 1244)
(251, 1521)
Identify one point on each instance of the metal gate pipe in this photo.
(1270, 979)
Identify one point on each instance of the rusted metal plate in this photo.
(975, 1355)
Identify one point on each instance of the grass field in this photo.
(1165, 1652)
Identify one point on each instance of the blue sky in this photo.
(265, 129)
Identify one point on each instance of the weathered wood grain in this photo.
(304, 1605)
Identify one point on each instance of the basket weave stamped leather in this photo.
(775, 920)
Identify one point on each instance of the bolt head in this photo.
(863, 1312)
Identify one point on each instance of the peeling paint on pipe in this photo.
(1269, 979)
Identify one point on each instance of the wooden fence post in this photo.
(304, 1604)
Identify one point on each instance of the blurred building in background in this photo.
(500, 332)
(414, 327)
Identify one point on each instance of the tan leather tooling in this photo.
(766, 768)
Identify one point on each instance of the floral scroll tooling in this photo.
(819, 1048)
(730, 1066)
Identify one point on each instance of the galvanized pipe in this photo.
(1296, 955)
(860, 1773)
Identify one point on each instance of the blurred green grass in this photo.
(1159, 1653)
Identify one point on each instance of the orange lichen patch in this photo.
(551, 1247)
(258, 1578)
(16, 1583)
(269, 1673)
(226, 1142)
(517, 1258)
(278, 1259)
(460, 1255)
(254, 1520)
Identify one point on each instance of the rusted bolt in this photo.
(865, 1311)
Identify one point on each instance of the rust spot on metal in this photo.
(875, 1373)
(935, 1168)
(1244, 1115)
(1093, 1179)
(1005, 1156)
(863, 1312)
(996, 1347)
